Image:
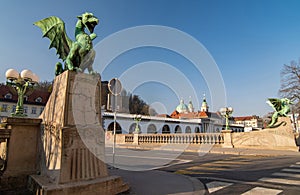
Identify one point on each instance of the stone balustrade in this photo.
(129, 138)
(197, 138)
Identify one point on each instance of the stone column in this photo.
(227, 139)
(136, 138)
(22, 153)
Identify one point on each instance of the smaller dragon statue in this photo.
(77, 55)
(281, 108)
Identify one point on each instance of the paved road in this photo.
(141, 160)
(233, 174)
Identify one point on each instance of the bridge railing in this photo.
(197, 138)
(129, 138)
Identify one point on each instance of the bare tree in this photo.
(290, 83)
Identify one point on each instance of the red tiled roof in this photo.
(32, 95)
(163, 115)
(193, 115)
(175, 114)
(202, 114)
(244, 118)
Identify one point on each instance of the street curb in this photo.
(198, 186)
(232, 151)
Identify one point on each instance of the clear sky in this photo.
(248, 40)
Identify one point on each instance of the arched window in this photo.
(8, 96)
(188, 129)
(132, 127)
(197, 130)
(39, 100)
(25, 98)
(151, 129)
(166, 129)
(178, 129)
(118, 128)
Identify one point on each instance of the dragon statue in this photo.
(77, 55)
(281, 107)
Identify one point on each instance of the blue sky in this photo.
(249, 40)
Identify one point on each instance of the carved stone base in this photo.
(106, 185)
(73, 145)
(280, 138)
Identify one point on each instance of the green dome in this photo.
(182, 108)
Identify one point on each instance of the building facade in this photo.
(249, 122)
(34, 101)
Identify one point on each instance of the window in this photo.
(4, 108)
(42, 109)
(25, 98)
(39, 100)
(25, 109)
(8, 96)
(14, 108)
(33, 110)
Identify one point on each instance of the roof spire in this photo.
(204, 106)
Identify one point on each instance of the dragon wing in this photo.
(275, 103)
(54, 28)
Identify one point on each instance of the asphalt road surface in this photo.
(234, 174)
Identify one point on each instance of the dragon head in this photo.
(89, 21)
(286, 101)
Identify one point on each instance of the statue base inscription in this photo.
(72, 158)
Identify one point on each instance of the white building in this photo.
(249, 122)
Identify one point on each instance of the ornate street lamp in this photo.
(21, 82)
(137, 119)
(226, 112)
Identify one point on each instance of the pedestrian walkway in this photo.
(230, 163)
(287, 176)
(159, 182)
(286, 179)
(220, 187)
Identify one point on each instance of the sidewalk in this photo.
(159, 183)
(215, 149)
(256, 152)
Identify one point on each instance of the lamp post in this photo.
(115, 87)
(137, 118)
(226, 112)
(21, 82)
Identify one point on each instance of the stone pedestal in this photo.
(73, 140)
(227, 139)
(20, 151)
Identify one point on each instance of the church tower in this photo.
(204, 106)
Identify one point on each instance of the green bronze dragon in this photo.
(281, 107)
(77, 55)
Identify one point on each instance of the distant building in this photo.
(211, 121)
(249, 122)
(34, 101)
